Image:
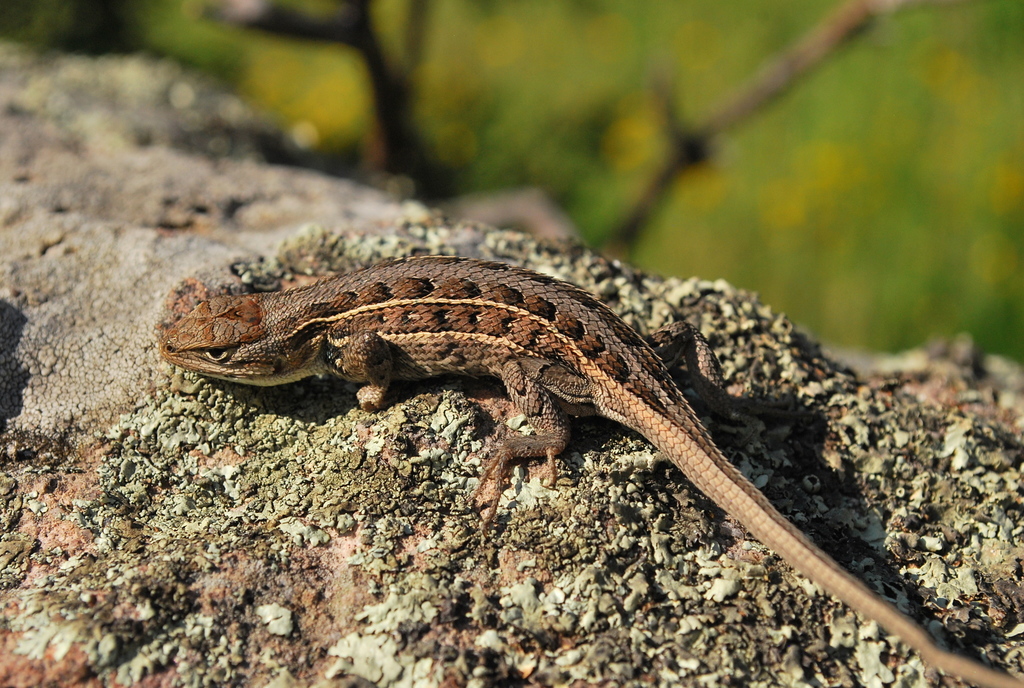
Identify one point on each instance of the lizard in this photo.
(559, 351)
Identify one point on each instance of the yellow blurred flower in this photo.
(609, 37)
(698, 45)
(994, 258)
(636, 136)
(782, 204)
(500, 41)
(1007, 194)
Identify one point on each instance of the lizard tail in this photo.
(710, 471)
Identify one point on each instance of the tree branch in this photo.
(691, 146)
(398, 149)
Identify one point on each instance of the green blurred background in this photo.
(880, 202)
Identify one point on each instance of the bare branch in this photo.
(258, 14)
(415, 32)
(396, 147)
(778, 75)
(781, 72)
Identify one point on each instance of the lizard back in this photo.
(449, 314)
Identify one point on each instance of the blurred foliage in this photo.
(90, 26)
(880, 202)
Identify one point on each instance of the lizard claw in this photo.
(497, 473)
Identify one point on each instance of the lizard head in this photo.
(223, 337)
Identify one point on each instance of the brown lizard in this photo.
(559, 352)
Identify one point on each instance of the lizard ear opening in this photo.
(220, 355)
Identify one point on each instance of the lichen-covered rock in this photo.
(163, 529)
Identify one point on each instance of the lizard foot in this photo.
(497, 474)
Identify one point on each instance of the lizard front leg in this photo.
(363, 357)
(543, 391)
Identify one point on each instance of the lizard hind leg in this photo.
(524, 382)
(683, 340)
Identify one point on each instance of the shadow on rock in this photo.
(13, 375)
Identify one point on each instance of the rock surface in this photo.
(162, 529)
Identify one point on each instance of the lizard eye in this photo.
(219, 355)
